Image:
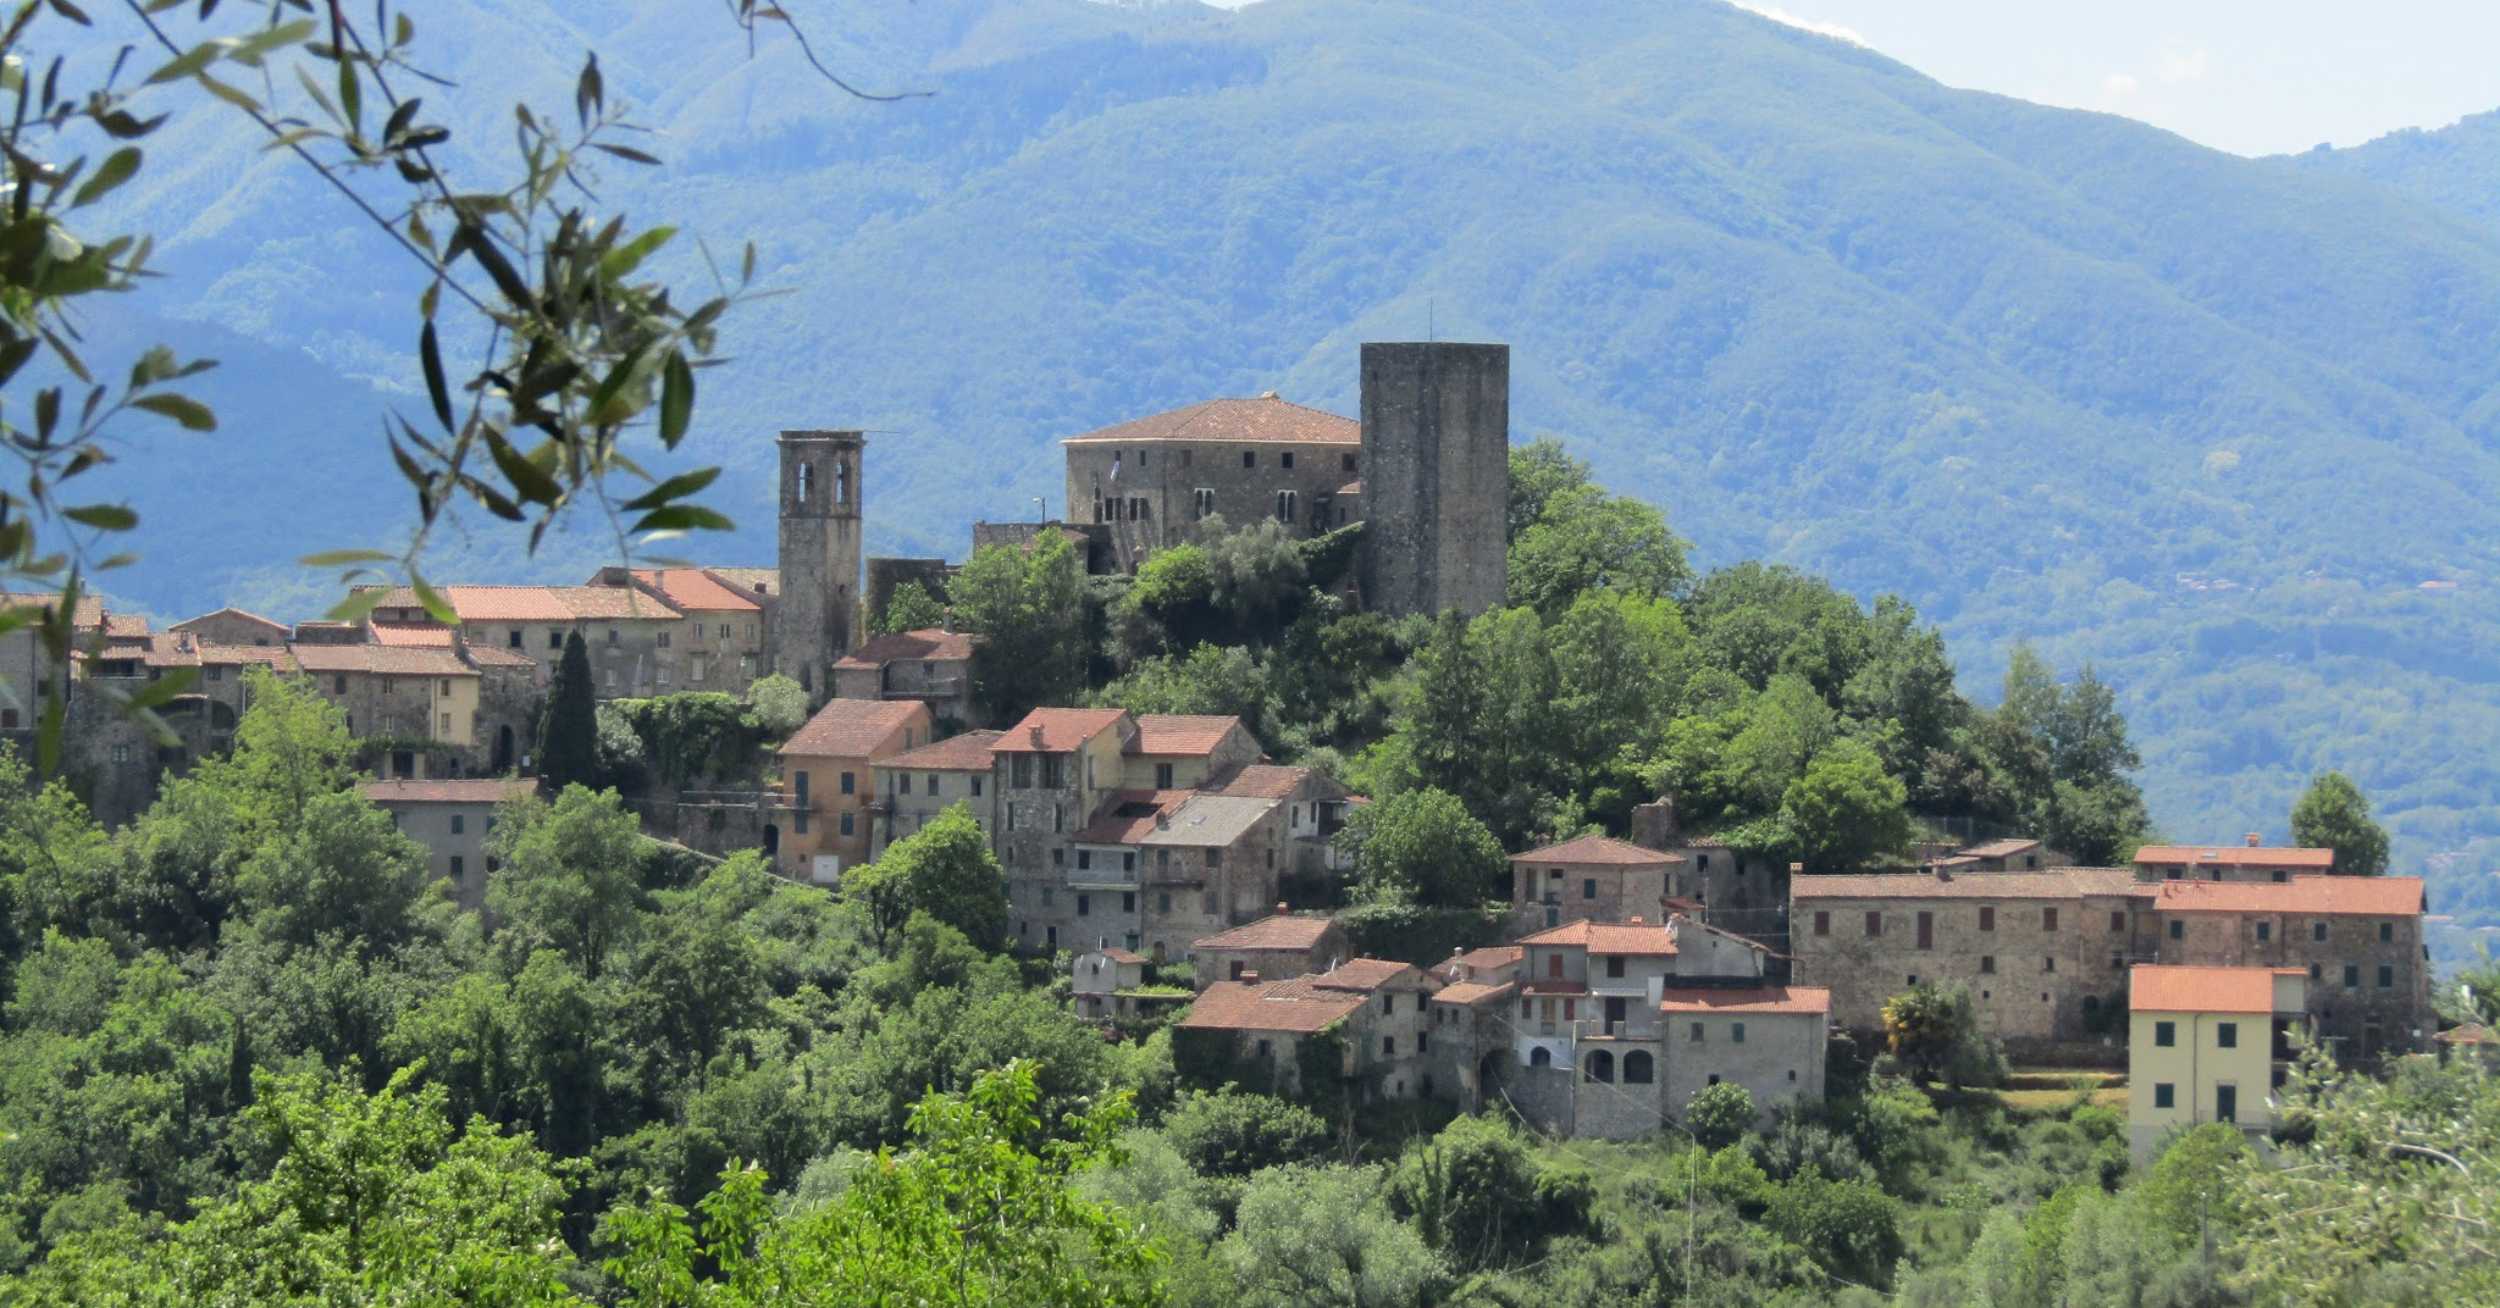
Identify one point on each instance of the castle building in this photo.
(818, 615)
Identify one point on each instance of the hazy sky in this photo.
(2250, 76)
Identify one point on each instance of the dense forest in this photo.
(250, 1054)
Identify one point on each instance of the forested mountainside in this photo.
(2210, 423)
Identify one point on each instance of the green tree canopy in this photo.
(1933, 1028)
(568, 736)
(566, 878)
(944, 869)
(1846, 811)
(1028, 604)
(911, 608)
(2332, 814)
(1422, 847)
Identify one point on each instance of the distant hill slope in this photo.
(2051, 375)
(2455, 168)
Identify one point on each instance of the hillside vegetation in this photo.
(2207, 423)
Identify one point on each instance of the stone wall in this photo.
(2363, 1018)
(1156, 499)
(1094, 542)
(1780, 1058)
(816, 621)
(2028, 981)
(1436, 476)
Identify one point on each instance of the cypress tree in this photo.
(568, 736)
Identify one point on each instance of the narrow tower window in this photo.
(807, 480)
(841, 483)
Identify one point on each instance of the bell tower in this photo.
(820, 542)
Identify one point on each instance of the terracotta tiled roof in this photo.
(1269, 1006)
(483, 790)
(1130, 816)
(1282, 931)
(88, 615)
(2234, 856)
(607, 604)
(1477, 962)
(495, 656)
(2472, 1033)
(1646, 938)
(1554, 986)
(1597, 849)
(275, 627)
(1364, 974)
(557, 604)
(2321, 895)
(1351, 488)
(929, 643)
(1262, 420)
(967, 752)
(130, 626)
(692, 590)
(2001, 848)
(1119, 955)
(1181, 735)
(411, 634)
(386, 660)
(1062, 730)
(750, 581)
(1471, 993)
(2050, 883)
(1753, 999)
(2152, 989)
(852, 728)
(1262, 781)
(274, 656)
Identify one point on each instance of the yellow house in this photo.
(2206, 1044)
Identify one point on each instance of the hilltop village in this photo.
(1181, 876)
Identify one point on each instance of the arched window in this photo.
(807, 480)
(1287, 502)
(1540, 1057)
(1601, 1066)
(1636, 1067)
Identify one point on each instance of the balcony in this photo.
(1103, 878)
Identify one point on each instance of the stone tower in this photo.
(1436, 476)
(818, 618)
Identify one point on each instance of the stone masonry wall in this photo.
(1436, 481)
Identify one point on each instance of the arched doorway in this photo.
(503, 750)
(1540, 1057)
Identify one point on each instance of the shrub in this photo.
(1719, 1115)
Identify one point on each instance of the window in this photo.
(1822, 923)
(1736, 1033)
(121, 753)
(2386, 933)
(1285, 460)
(1695, 1036)
(1249, 458)
(2386, 976)
(1987, 917)
(459, 868)
(1020, 771)
(1163, 902)
(2049, 964)
(2118, 921)
(459, 823)
(611, 678)
(1084, 860)
(847, 824)
(1987, 964)
(2317, 932)
(1926, 930)
(902, 782)
(1553, 965)
(2226, 1035)
(2352, 976)
(1614, 965)
(2165, 1035)
(612, 638)
(2048, 919)
(2226, 1103)
(1084, 905)
(2178, 929)
(555, 638)
(446, 727)
(389, 685)
(1048, 894)
(1638, 1068)
(663, 640)
(2163, 1094)
(216, 673)
(514, 641)
(1202, 503)
(2265, 931)
(1874, 925)
(1288, 503)
(1388, 1004)
(1423, 1042)
(1345, 462)
(1128, 901)
(977, 779)
(1163, 776)
(1600, 1066)
(2313, 972)
(1588, 888)
(850, 784)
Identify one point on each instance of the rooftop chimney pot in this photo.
(1035, 732)
(2253, 839)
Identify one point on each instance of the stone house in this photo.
(2207, 1044)
(1379, 1008)
(1158, 869)
(1103, 980)
(399, 693)
(1744, 893)
(1170, 751)
(233, 626)
(1316, 807)
(913, 787)
(2012, 854)
(624, 629)
(828, 781)
(2250, 861)
(1591, 878)
(1151, 480)
(718, 641)
(1053, 770)
(452, 820)
(2035, 949)
(932, 665)
(2357, 940)
(1279, 946)
(26, 666)
(1772, 1040)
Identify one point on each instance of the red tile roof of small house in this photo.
(1281, 931)
(931, 644)
(1264, 419)
(1056, 730)
(852, 728)
(2163, 989)
(1750, 999)
(1597, 849)
(2326, 896)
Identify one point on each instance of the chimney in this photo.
(1034, 731)
(1636, 920)
(1248, 978)
(2253, 839)
(1163, 821)
(1282, 908)
(1653, 824)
